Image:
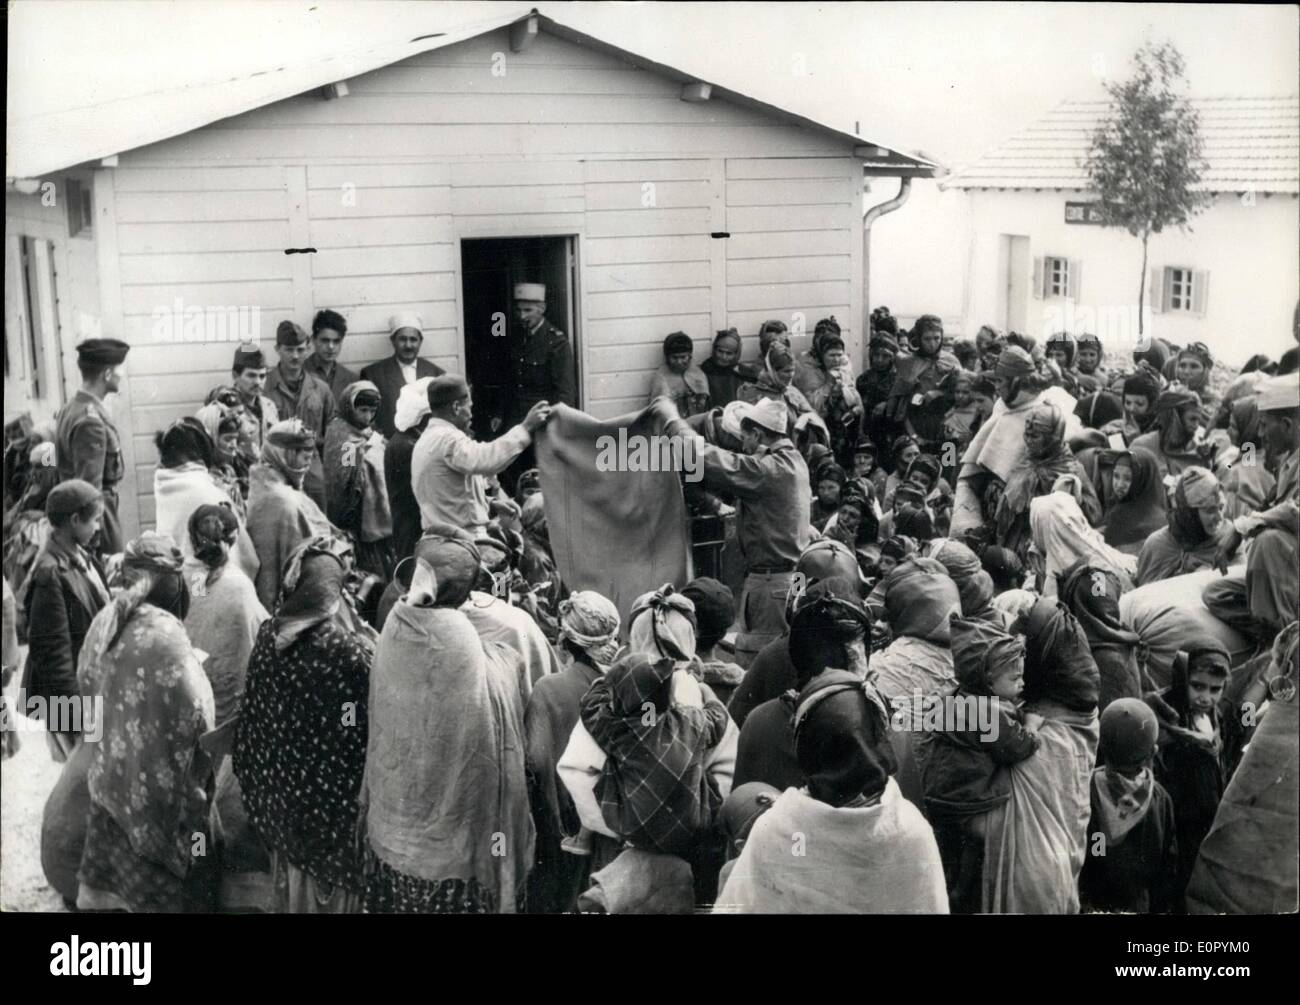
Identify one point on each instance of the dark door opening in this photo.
(490, 268)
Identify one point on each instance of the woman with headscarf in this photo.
(227, 468)
(1034, 846)
(1193, 366)
(1061, 349)
(182, 482)
(1173, 440)
(1000, 450)
(280, 515)
(589, 643)
(1061, 536)
(1004, 567)
(872, 852)
(1188, 758)
(447, 818)
(355, 490)
(1090, 373)
(723, 369)
(679, 378)
(1091, 592)
(922, 390)
(1127, 482)
(300, 744)
(223, 621)
(974, 585)
(148, 777)
(1047, 458)
(26, 527)
(875, 386)
(919, 598)
(1190, 538)
(903, 451)
(1153, 360)
(775, 383)
(826, 380)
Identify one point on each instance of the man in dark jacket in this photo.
(405, 366)
(66, 589)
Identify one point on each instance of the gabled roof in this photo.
(41, 144)
(1250, 144)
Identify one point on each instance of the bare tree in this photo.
(1145, 160)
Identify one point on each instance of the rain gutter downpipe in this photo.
(868, 218)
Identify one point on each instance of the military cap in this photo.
(102, 351)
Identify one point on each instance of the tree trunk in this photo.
(1142, 283)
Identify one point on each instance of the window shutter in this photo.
(1156, 291)
(1200, 291)
(1038, 279)
(1075, 275)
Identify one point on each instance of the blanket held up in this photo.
(618, 532)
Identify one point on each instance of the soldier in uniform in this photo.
(87, 443)
(542, 363)
(298, 394)
(257, 413)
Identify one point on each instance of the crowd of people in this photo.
(344, 673)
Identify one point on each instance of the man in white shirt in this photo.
(449, 469)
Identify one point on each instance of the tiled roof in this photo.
(1250, 144)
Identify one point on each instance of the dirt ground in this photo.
(25, 781)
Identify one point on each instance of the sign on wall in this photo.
(1083, 212)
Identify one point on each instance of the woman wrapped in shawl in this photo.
(148, 777)
(300, 744)
(223, 621)
(1190, 538)
(447, 817)
(280, 514)
(1192, 370)
(679, 378)
(355, 489)
(228, 468)
(1092, 592)
(1059, 666)
(826, 380)
(1173, 441)
(26, 527)
(1247, 862)
(919, 598)
(1188, 759)
(1090, 374)
(974, 584)
(1061, 349)
(182, 482)
(589, 626)
(1047, 458)
(922, 391)
(872, 850)
(775, 382)
(1132, 495)
(724, 370)
(1061, 536)
(654, 792)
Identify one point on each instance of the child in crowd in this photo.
(962, 421)
(1187, 761)
(981, 733)
(830, 483)
(1131, 862)
(866, 468)
(740, 811)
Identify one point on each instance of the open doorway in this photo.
(490, 268)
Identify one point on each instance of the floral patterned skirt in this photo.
(113, 876)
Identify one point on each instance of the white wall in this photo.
(1250, 252)
(388, 180)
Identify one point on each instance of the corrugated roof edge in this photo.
(33, 144)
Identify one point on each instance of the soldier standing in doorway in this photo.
(542, 364)
(87, 442)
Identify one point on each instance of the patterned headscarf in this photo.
(284, 436)
(150, 571)
(311, 588)
(662, 623)
(591, 622)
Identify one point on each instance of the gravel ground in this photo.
(25, 781)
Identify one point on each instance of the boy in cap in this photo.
(66, 589)
(1131, 863)
(715, 610)
(87, 442)
(405, 366)
(298, 394)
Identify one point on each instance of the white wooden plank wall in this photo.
(387, 181)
